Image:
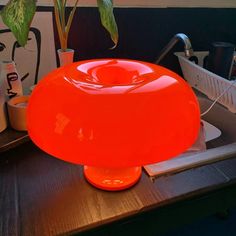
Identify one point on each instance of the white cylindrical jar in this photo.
(12, 85)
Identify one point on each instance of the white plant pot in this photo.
(65, 57)
(10, 86)
(10, 80)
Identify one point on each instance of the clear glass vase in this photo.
(65, 57)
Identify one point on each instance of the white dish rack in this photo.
(207, 82)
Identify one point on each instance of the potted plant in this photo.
(18, 15)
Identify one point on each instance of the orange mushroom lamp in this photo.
(113, 116)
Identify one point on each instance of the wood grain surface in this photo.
(41, 195)
(10, 138)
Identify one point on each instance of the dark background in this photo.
(143, 32)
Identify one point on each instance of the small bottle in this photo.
(12, 85)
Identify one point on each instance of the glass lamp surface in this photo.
(113, 113)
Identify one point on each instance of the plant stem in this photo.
(58, 23)
(71, 16)
(63, 27)
(63, 24)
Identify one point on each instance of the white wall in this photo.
(151, 3)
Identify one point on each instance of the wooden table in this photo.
(41, 195)
(11, 138)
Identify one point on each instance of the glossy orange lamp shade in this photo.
(113, 116)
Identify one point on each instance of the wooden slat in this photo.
(9, 197)
(10, 138)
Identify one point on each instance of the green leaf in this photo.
(107, 18)
(71, 16)
(17, 15)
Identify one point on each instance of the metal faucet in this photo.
(178, 37)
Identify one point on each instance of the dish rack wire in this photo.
(207, 82)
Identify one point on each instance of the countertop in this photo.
(41, 195)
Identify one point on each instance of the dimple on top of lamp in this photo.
(113, 113)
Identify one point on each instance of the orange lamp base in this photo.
(113, 179)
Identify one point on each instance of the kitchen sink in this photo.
(221, 118)
(218, 149)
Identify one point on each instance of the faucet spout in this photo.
(178, 37)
